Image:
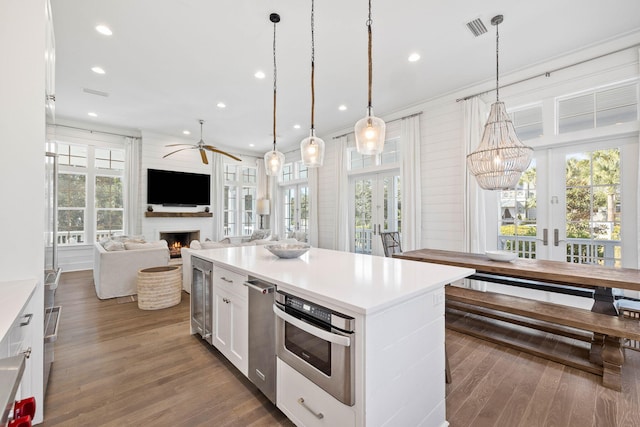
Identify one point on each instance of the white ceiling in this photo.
(169, 62)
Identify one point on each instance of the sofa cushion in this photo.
(148, 245)
(113, 245)
(195, 245)
(213, 245)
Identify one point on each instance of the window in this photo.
(295, 198)
(527, 122)
(239, 200)
(296, 208)
(294, 171)
(90, 199)
(389, 156)
(602, 107)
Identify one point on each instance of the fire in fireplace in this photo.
(178, 240)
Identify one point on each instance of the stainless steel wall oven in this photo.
(318, 343)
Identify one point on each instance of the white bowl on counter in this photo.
(502, 256)
(288, 250)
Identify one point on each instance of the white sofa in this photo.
(115, 272)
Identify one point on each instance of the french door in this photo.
(375, 208)
(577, 204)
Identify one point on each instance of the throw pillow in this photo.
(195, 245)
(112, 246)
(225, 240)
(260, 234)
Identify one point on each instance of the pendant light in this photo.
(274, 159)
(501, 158)
(370, 131)
(312, 147)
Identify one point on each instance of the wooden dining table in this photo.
(601, 279)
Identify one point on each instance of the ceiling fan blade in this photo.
(203, 154)
(176, 145)
(173, 152)
(215, 150)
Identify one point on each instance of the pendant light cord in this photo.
(313, 57)
(369, 22)
(497, 64)
(275, 79)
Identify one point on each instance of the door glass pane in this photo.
(392, 220)
(303, 224)
(518, 216)
(289, 213)
(593, 207)
(362, 219)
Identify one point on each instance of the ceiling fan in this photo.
(202, 147)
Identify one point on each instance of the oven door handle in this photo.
(320, 333)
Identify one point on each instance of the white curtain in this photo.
(131, 186)
(475, 222)
(217, 196)
(341, 238)
(410, 183)
(313, 214)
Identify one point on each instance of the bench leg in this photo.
(595, 353)
(612, 361)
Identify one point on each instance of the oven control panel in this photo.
(314, 311)
(322, 314)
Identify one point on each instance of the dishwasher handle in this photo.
(266, 289)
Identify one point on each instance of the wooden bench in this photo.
(603, 331)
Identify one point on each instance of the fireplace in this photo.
(178, 240)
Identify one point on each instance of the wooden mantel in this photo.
(178, 214)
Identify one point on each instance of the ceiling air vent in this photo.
(476, 27)
(95, 92)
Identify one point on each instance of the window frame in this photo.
(240, 183)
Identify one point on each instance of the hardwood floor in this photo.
(117, 365)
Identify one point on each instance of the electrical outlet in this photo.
(438, 298)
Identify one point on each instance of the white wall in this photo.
(441, 123)
(22, 135)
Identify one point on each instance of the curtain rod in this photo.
(96, 131)
(548, 73)
(390, 121)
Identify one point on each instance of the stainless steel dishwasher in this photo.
(262, 337)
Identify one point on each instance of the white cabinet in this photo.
(308, 405)
(230, 317)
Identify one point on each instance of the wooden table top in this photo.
(563, 273)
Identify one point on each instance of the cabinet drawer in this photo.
(308, 405)
(230, 281)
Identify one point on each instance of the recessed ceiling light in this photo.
(186, 132)
(92, 114)
(296, 126)
(103, 29)
(98, 70)
(342, 107)
(259, 75)
(221, 105)
(414, 57)
(252, 145)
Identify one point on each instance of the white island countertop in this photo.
(13, 297)
(361, 283)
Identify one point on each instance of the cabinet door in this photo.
(239, 333)
(222, 321)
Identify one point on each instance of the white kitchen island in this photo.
(398, 306)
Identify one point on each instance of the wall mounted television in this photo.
(172, 188)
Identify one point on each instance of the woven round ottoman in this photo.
(159, 287)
